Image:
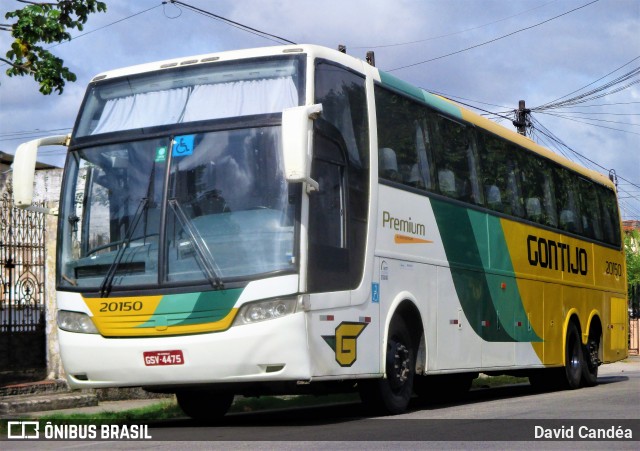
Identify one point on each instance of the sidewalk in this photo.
(631, 364)
(104, 406)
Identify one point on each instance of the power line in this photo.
(548, 104)
(238, 25)
(28, 135)
(603, 104)
(554, 138)
(452, 97)
(597, 113)
(597, 93)
(97, 29)
(107, 26)
(564, 116)
(451, 34)
(494, 40)
(588, 123)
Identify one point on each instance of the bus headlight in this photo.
(264, 310)
(76, 322)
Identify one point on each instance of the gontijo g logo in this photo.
(344, 342)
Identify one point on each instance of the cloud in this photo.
(538, 65)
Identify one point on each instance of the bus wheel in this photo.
(573, 365)
(591, 361)
(391, 395)
(204, 405)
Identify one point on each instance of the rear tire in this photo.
(204, 405)
(591, 361)
(391, 395)
(574, 359)
(568, 377)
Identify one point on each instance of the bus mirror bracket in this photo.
(297, 135)
(24, 169)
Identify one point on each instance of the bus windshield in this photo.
(228, 213)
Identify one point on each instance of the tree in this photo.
(45, 23)
(632, 251)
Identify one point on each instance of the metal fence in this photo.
(22, 293)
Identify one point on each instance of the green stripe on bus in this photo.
(194, 308)
(493, 311)
(420, 95)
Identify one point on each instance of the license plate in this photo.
(156, 358)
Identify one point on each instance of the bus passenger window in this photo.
(404, 140)
(456, 162)
(610, 218)
(567, 199)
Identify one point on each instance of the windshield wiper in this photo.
(211, 268)
(105, 287)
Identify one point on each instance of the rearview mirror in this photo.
(24, 167)
(297, 134)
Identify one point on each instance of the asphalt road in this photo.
(496, 418)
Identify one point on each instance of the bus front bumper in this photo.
(273, 350)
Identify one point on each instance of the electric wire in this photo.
(492, 40)
(433, 38)
(238, 25)
(106, 26)
(548, 104)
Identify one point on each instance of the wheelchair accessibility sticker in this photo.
(183, 145)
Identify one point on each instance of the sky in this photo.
(485, 53)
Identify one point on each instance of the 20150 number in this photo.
(127, 306)
(613, 268)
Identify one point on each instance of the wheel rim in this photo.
(398, 365)
(592, 352)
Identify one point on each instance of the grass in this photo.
(496, 381)
(168, 409)
(163, 410)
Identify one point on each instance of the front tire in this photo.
(391, 395)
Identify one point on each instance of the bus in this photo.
(292, 219)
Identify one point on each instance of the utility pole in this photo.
(521, 123)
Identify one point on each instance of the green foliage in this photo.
(632, 251)
(46, 23)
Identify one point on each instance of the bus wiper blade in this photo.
(105, 287)
(211, 268)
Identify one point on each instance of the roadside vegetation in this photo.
(168, 409)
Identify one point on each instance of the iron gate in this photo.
(22, 296)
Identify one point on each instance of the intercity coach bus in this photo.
(294, 220)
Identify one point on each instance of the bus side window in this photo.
(610, 218)
(498, 176)
(590, 208)
(456, 161)
(404, 140)
(344, 104)
(569, 217)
